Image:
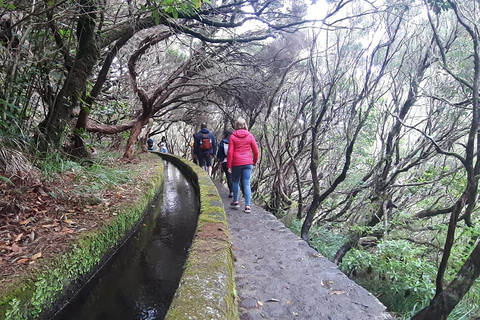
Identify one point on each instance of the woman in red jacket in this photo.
(240, 161)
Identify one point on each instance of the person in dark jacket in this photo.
(205, 147)
(163, 145)
(222, 157)
(240, 161)
(150, 143)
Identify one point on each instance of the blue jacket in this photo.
(221, 150)
(198, 137)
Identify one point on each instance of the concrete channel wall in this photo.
(207, 287)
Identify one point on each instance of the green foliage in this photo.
(439, 5)
(8, 112)
(52, 163)
(98, 176)
(90, 177)
(395, 273)
(4, 5)
(5, 179)
(325, 240)
(173, 8)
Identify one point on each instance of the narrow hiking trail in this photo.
(279, 277)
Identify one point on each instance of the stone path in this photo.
(280, 277)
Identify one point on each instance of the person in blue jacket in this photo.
(150, 142)
(222, 157)
(205, 147)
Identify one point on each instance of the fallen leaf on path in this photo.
(289, 301)
(66, 231)
(39, 211)
(69, 221)
(16, 248)
(22, 260)
(50, 225)
(336, 292)
(36, 256)
(18, 237)
(272, 300)
(25, 222)
(260, 303)
(294, 313)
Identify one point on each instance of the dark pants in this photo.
(228, 175)
(205, 160)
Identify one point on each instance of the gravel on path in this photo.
(278, 276)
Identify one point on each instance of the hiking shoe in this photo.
(248, 209)
(235, 205)
(230, 195)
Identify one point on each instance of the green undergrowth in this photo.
(28, 297)
(323, 239)
(399, 273)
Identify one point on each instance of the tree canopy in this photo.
(366, 112)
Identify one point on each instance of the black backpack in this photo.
(205, 142)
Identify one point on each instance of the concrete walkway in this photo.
(280, 277)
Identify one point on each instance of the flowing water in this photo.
(139, 281)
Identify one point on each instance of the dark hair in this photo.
(227, 133)
(203, 125)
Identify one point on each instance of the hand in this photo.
(229, 170)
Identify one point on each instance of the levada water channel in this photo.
(140, 279)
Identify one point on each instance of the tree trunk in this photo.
(441, 306)
(79, 149)
(75, 84)
(134, 133)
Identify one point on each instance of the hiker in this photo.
(205, 148)
(240, 162)
(163, 145)
(192, 150)
(222, 157)
(150, 143)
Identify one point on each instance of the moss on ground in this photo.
(207, 287)
(32, 295)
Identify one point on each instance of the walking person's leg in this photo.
(229, 183)
(201, 160)
(246, 175)
(208, 160)
(236, 174)
(228, 175)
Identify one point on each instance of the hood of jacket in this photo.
(241, 133)
(204, 130)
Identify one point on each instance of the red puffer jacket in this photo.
(240, 147)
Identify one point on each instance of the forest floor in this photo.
(43, 217)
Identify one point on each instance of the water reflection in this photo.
(140, 280)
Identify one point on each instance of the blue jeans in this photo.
(243, 172)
